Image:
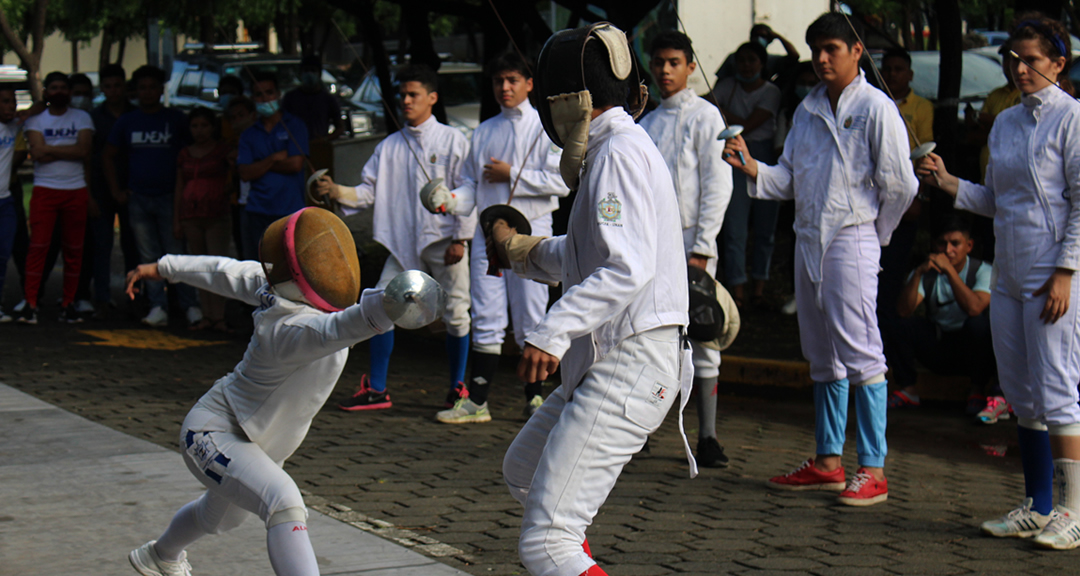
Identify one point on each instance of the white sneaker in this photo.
(1022, 522)
(533, 405)
(790, 307)
(157, 317)
(4, 318)
(465, 411)
(84, 307)
(146, 562)
(1063, 531)
(194, 315)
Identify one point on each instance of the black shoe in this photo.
(366, 398)
(27, 315)
(710, 454)
(71, 315)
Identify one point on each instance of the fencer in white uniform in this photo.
(236, 437)
(1032, 192)
(684, 128)
(508, 152)
(404, 162)
(617, 330)
(846, 165)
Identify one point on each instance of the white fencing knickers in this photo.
(454, 279)
(490, 295)
(565, 461)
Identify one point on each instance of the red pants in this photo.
(47, 207)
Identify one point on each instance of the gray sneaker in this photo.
(465, 412)
(145, 561)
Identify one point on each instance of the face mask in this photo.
(309, 80)
(763, 41)
(267, 109)
(802, 91)
(59, 100)
(80, 102)
(224, 100)
(746, 80)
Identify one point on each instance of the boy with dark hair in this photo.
(684, 128)
(918, 111)
(845, 163)
(954, 336)
(151, 137)
(402, 163)
(509, 155)
(82, 91)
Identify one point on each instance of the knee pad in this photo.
(1032, 424)
(295, 514)
(1064, 429)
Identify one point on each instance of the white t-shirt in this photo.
(8, 134)
(730, 94)
(62, 130)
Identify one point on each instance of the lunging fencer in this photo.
(237, 436)
(684, 128)
(422, 151)
(617, 331)
(510, 156)
(846, 164)
(1031, 193)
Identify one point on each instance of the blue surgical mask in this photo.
(802, 91)
(746, 80)
(80, 102)
(267, 109)
(763, 41)
(224, 100)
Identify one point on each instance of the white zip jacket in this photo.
(684, 128)
(516, 137)
(295, 356)
(1031, 187)
(842, 169)
(615, 262)
(390, 181)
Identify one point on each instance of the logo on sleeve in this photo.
(609, 211)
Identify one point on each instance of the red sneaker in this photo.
(808, 477)
(864, 490)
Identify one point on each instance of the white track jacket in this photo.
(842, 169)
(295, 356)
(684, 128)
(516, 137)
(1031, 187)
(392, 178)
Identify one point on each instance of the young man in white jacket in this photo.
(617, 331)
(403, 163)
(509, 154)
(684, 128)
(845, 163)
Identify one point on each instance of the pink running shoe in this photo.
(366, 398)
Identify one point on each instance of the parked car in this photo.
(460, 84)
(980, 76)
(195, 76)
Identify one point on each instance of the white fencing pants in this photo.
(454, 279)
(564, 462)
(491, 295)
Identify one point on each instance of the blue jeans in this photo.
(152, 222)
(253, 225)
(741, 212)
(7, 235)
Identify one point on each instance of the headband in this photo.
(1046, 32)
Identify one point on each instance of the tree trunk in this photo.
(31, 61)
(1050, 8)
(120, 51)
(415, 16)
(74, 56)
(952, 51)
(364, 11)
(105, 53)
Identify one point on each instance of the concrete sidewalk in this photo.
(76, 497)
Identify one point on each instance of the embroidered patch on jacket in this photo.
(434, 158)
(658, 394)
(609, 211)
(855, 122)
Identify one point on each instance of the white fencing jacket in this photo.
(392, 179)
(295, 356)
(842, 169)
(684, 128)
(1031, 187)
(509, 137)
(615, 262)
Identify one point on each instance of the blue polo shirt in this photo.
(275, 194)
(152, 142)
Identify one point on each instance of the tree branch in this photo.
(30, 61)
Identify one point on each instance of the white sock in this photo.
(1067, 483)
(182, 531)
(290, 550)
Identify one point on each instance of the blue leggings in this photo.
(830, 406)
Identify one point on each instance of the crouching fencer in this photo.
(239, 434)
(618, 330)
(846, 164)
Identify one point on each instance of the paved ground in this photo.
(438, 488)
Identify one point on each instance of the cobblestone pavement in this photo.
(439, 487)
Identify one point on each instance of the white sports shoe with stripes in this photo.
(1062, 533)
(1022, 522)
(145, 561)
